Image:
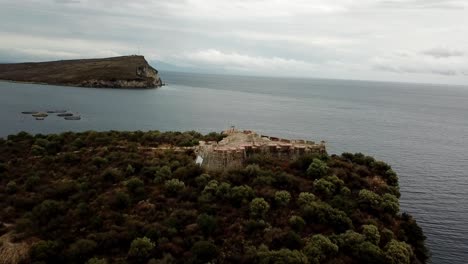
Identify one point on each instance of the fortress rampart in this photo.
(233, 150)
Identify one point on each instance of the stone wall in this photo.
(219, 157)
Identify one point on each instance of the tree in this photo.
(319, 248)
(369, 199)
(317, 169)
(283, 256)
(324, 187)
(282, 198)
(371, 232)
(45, 251)
(11, 187)
(391, 177)
(241, 194)
(259, 207)
(390, 204)
(204, 251)
(96, 261)
(297, 223)
(141, 248)
(81, 250)
(368, 252)
(174, 186)
(135, 186)
(162, 174)
(397, 252)
(305, 198)
(207, 223)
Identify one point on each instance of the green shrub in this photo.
(259, 207)
(99, 161)
(37, 150)
(397, 252)
(112, 175)
(174, 186)
(44, 212)
(202, 180)
(81, 250)
(317, 169)
(121, 200)
(45, 251)
(319, 248)
(282, 198)
(371, 232)
(135, 186)
(162, 174)
(241, 194)
(207, 224)
(96, 261)
(297, 223)
(390, 204)
(130, 170)
(141, 249)
(283, 256)
(11, 187)
(391, 177)
(204, 251)
(32, 182)
(369, 199)
(305, 198)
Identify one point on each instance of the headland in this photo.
(115, 72)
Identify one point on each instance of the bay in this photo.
(420, 129)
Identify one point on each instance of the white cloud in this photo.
(314, 38)
(241, 62)
(419, 63)
(443, 53)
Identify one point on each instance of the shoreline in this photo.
(71, 85)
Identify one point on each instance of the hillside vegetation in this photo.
(125, 197)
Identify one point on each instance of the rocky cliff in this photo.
(116, 72)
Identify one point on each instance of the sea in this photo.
(421, 130)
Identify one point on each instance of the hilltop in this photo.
(116, 72)
(139, 197)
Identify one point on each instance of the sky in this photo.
(388, 40)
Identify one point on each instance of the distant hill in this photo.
(116, 72)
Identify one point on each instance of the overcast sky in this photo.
(395, 40)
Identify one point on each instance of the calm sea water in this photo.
(421, 130)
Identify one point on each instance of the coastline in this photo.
(71, 85)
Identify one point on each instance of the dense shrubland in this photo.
(107, 198)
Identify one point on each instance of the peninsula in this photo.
(183, 197)
(117, 72)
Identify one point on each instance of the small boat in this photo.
(65, 114)
(72, 118)
(56, 111)
(29, 112)
(40, 115)
(40, 118)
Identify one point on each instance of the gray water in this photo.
(421, 130)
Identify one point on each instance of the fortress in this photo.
(234, 149)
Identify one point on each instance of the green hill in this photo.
(132, 197)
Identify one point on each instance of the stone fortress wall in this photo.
(234, 149)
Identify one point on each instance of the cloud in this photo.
(67, 1)
(419, 63)
(425, 4)
(443, 53)
(313, 38)
(242, 62)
